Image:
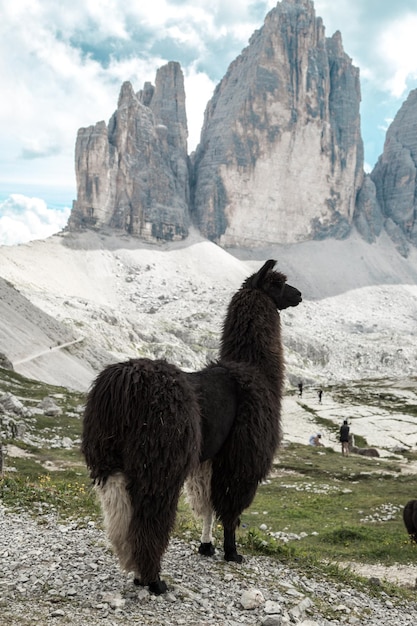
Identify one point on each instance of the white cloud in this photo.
(24, 219)
(397, 46)
(198, 89)
(62, 66)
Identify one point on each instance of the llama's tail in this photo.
(117, 512)
(141, 438)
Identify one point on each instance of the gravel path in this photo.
(63, 573)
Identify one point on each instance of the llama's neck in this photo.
(252, 334)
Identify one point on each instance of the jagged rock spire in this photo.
(281, 156)
(133, 173)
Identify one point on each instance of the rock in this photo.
(298, 611)
(288, 104)
(271, 620)
(398, 237)
(49, 407)
(5, 363)
(368, 217)
(116, 602)
(272, 607)
(252, 599)
(11, 404)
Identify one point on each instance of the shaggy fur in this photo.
(148, 425)
(410, 519)
(141, 436)
(118, 512)
(251, 349)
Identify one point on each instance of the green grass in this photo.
(391, 398)
(347, 510)
(68, 495)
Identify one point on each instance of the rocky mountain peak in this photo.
(280, 158)
(395, 176)
(133, 173)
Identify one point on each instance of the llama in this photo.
(251, 346)
(371, 452)
(410, 519)
(148, 426)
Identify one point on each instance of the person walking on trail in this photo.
(300, 389)
(320, 393)
(344, 438)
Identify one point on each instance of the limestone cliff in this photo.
(133, 173)
(281, 156)
(395, 176)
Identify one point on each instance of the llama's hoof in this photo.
(158, 587)
(206, 549)
(233, 556)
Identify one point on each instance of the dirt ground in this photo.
(402, 575)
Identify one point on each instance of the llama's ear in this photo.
(259, 276)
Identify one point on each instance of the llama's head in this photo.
(274, 284)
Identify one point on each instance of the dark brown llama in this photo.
(147, 425)
(410, 519)
(251, 348)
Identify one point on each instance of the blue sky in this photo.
(62, 65)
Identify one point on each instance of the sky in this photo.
(62, 65)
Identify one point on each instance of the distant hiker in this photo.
(344, 438)
(300, 389)
(320, 393)
(315, 440)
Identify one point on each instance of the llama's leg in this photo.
(198, 493)
(206, 547)
(138, 536)
(147, 551)
(157, 587)
(149, 536)
(230, 551)
(119, 524)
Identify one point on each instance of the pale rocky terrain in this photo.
(63, 573)
(115, 297)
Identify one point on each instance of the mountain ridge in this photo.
(280, 158)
